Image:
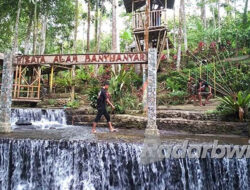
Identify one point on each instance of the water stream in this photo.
(40, 118)
(27, 164)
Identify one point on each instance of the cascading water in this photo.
(42, 118)
(47, 164)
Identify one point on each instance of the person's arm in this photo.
(108, 101)
(210, 89)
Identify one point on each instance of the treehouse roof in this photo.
(139, 4)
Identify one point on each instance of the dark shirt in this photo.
(101, 100)
(204, 85)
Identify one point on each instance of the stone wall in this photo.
(193, 122)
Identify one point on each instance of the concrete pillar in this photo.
(151, 92)
(6, 95)
(151, 151)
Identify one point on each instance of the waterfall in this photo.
(42, 118)
(46, 164)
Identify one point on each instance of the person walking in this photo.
(102, 101)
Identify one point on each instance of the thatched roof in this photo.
(128, 4)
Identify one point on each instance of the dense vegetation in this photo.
(214, 47)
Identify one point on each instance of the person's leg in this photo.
(97, 119)
(107, 116)
(208, 98)
(94, 127)
(200, 98)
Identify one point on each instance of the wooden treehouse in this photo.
(155, 27)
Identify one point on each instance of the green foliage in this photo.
(51, 101)
(126, 38)
(64, 79)
(119, 82)
(82, 74)
(92, 92)
(231, 106)
(176, 81)
(122, 86)
(73, 104)
(126, 103)
(177, 97)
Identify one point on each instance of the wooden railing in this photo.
(29, 92)
(157, 18)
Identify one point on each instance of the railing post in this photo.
(6, 94)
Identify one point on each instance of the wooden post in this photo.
(146, 42)
(39, 82)
(214, 80)
(51, 79)
(73, 82)
(16, 77)
(146, 27)
(200, 70)
(19, 81)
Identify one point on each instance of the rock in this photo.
(23, 122)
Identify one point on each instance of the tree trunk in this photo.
(43, 33)
(174, 36)
(88, 29)
(203, 13)
(214, 21)
(27, 38)
(96, 23)
(178, 64)
(34, 29)
(75, 51)
(245, 15)
(99, 30)
(114, 32)
(114, 28)
(76, 27)
(219, 21)
(99, 33)
(184, 27)
(15, 42)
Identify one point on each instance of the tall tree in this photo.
(184, 27)
(219, 20)
(100, 27)
(43, 33)
(178, 64)
(96, 23)
(88, 27)
(203, 13)
(35, 27)
(245, 14)
(174, 23)
(27, 37)
(15, 42)
(75, 50)
(114, 27)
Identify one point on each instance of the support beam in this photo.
(51, 79)
(73, 75)
(151, 93)
(6, 95)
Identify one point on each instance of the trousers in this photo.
(102, 111)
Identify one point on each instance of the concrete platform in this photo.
(83, 133)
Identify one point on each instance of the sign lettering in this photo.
(115, 58)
